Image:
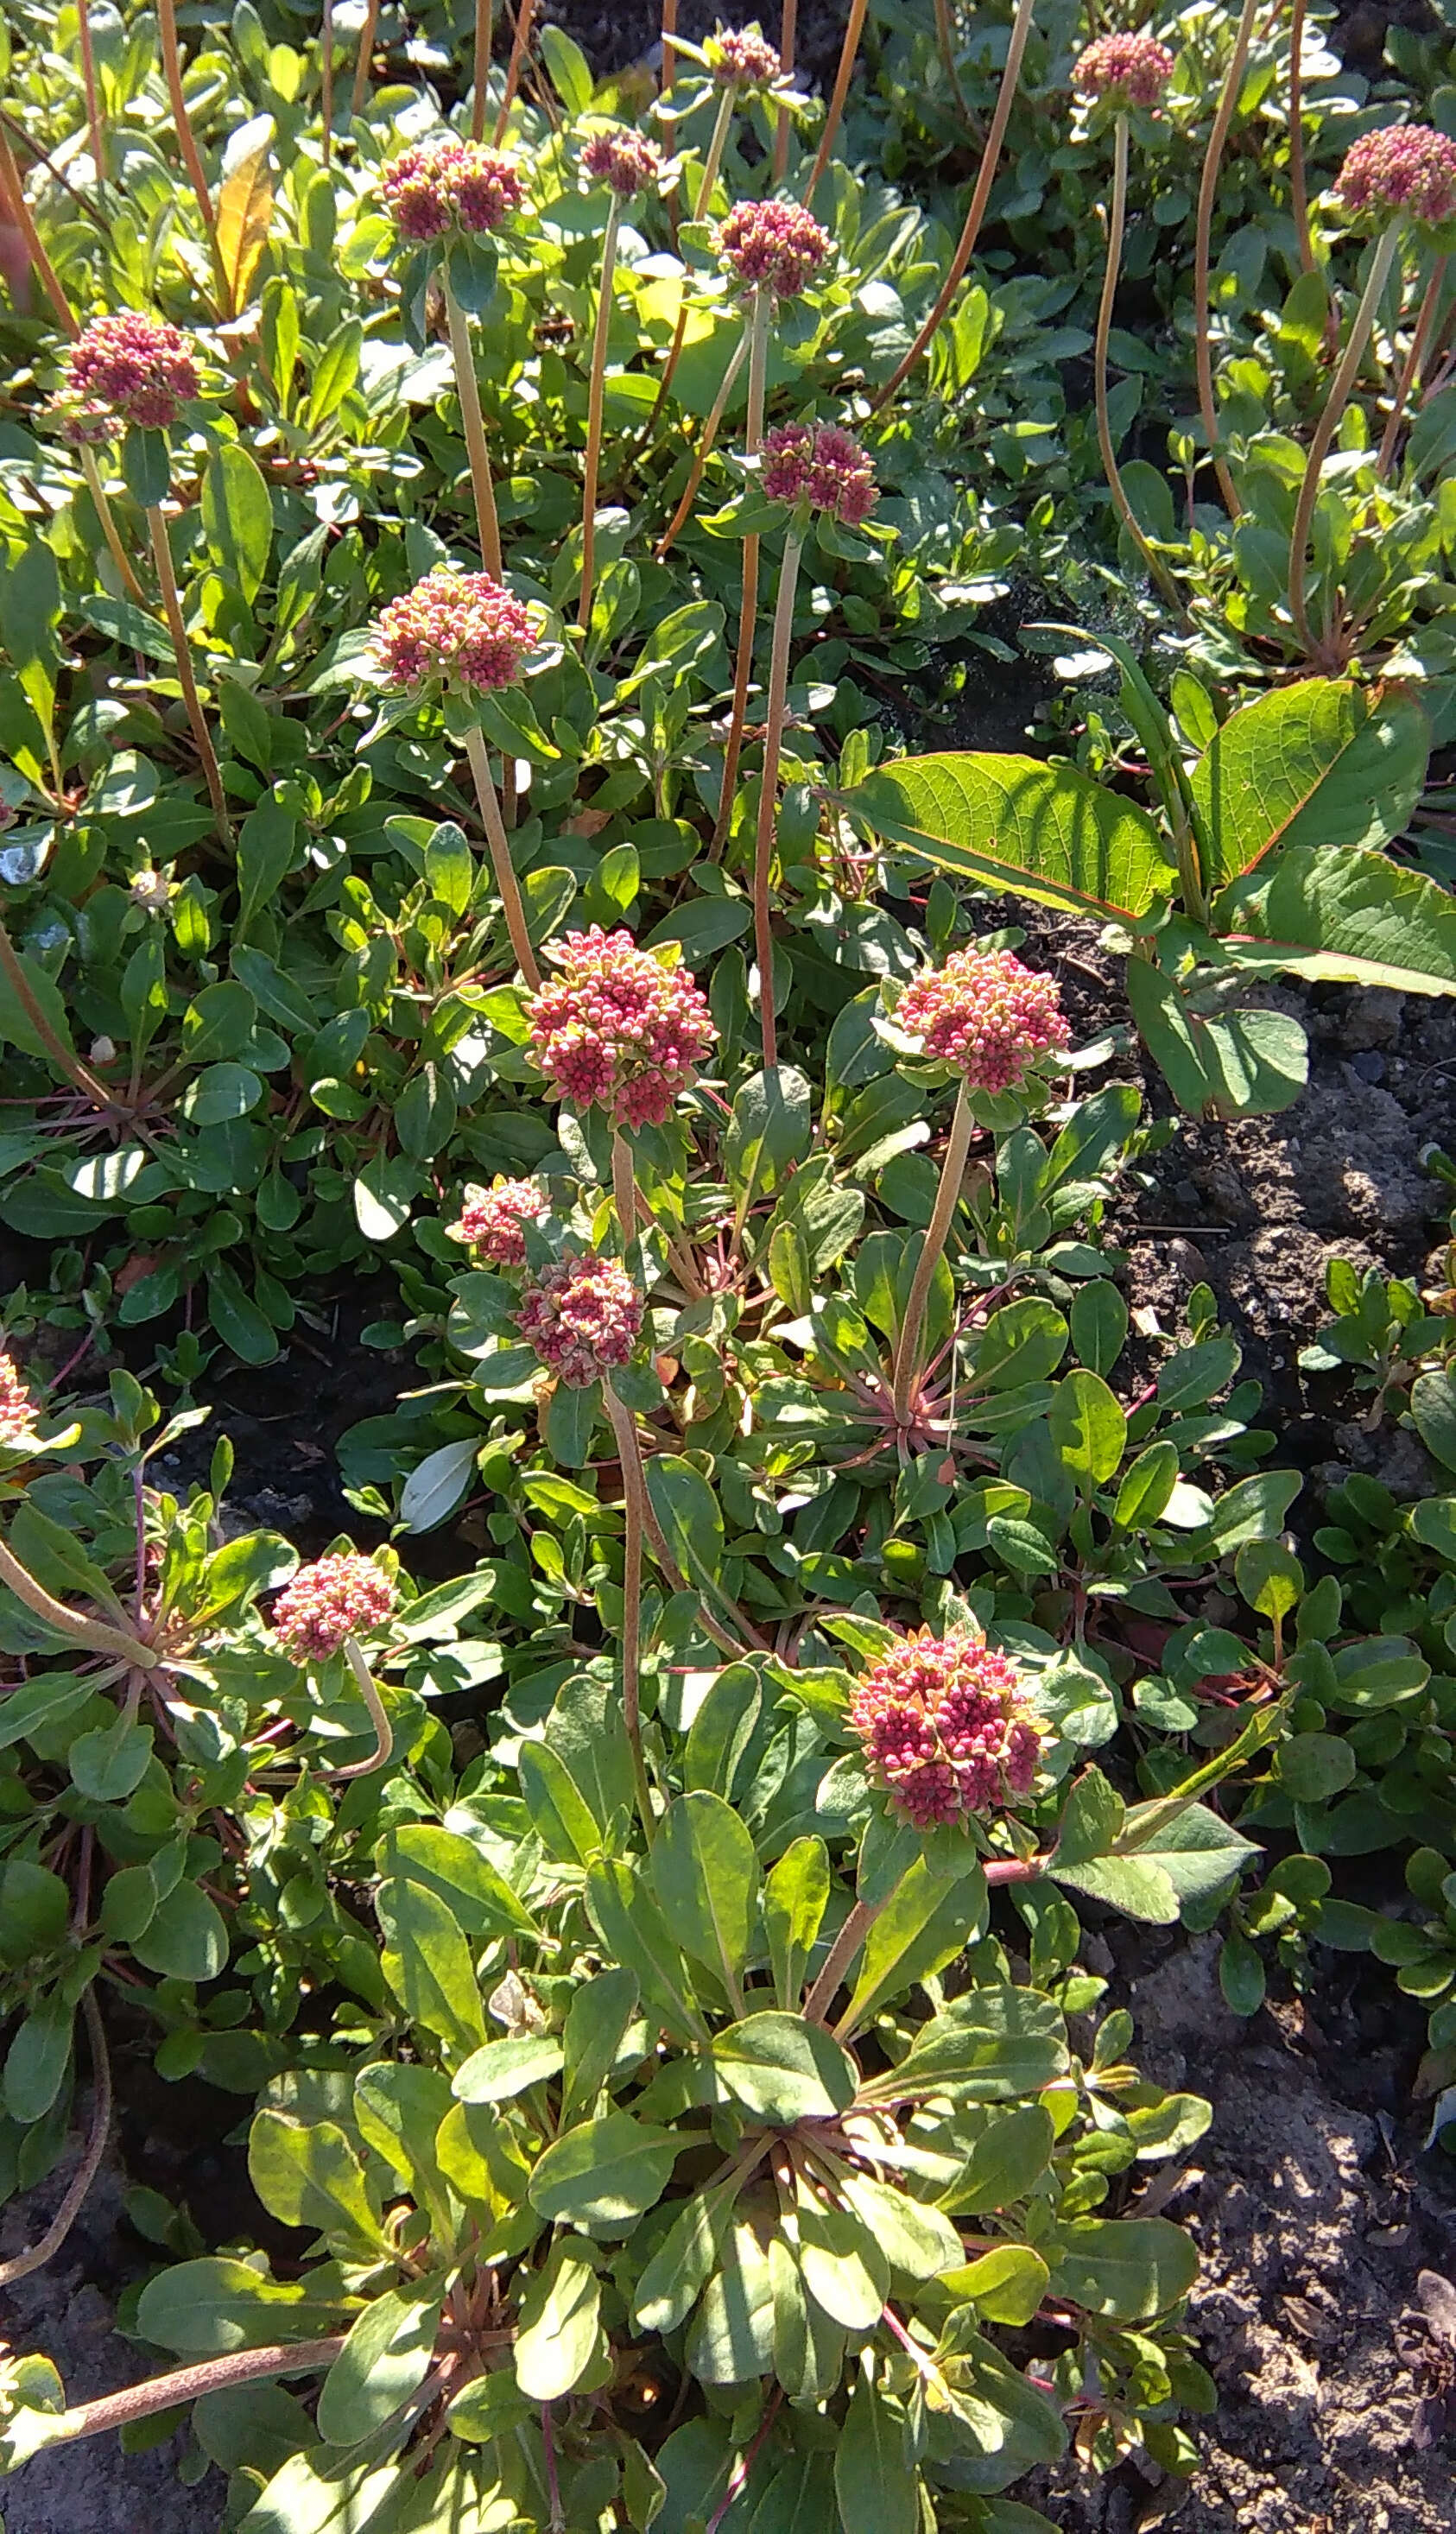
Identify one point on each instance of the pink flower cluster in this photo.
(336, 1598)
(944, 1728)
(742, 57)
(1129, 69)
(437, 186)
(128, 368)
(461, 625)
(986, 1014)
(623, 159)
(822, 465)
(775, 246)
(491, 1222)
(1408, 168)
(17, 1406)
(582, 1317)
(616, 1029)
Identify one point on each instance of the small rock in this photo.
(1372, 1018)
(87, 2315)
(1370, 1067)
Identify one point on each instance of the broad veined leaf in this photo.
(844, 2269)
(678, 2270)
(928, 1919)
(795, 1897)
(877, 2490)
(429, 1966)
(209, 2307)
(1339, 913)
(1012, 822)
(1130, 2268)
(244, 217)
(557, 2340)
(238, 518)
(988, 2046)
(918, 2240)
(731, 2337)
(707, 1876)
(597, 2024)
(1324, 762)
(785, 2070)
(306, 2173)
(386, 2358)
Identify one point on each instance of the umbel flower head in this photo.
(944, 1728)
(822, 465)
(336, 1598)
(492, 1220)
(616, 1030)
(743, 57)
(17, 1406)
(778, 246)
(437, 186)
(582, 1317)
(1123, 70)
(986, 1014)
(458, 626)
(128, 368)
(626, 160)
(1408, 170)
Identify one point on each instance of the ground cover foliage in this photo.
(462, 523)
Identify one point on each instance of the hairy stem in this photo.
(188, 2384)
(711, 166)
(947, 1197)
(757, 331)
(774, 732)
(507, 883)
(634, 1494)
(524, 14)
(840, 1955)
(596, 398)
(1116, 220)
(64, 1059)
(669, 56)
(326, 81)
(705, 444)
(945, 39)
(1202, 237)
(161, 555)
(384, 1731)
(171, 58)
(467, 388)
(484, 37)
(1298, 192)
(13, 191)
(110, 531)
(624, 1188)
(94, 123)
(787, 32)
(1388, 246)
(1411, 371)
(984, 179)
(364, 59)
(35, 2258)
(848, 55)
(94, 1634)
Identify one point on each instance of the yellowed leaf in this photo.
(244, 217)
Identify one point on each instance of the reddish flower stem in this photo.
(848, 53)
(757, 331)
(774, 731)
(1202, 238)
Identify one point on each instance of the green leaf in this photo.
(918, 2240)
(16, 1028)
(1099, 1324)
(1312, 1767)
(558, 2334)
(506, 2067)
(385, 2358)
(604, 2173)
(1240, 1974)
(307, 2174)
(678, 2270)
(795, 1898)
(843, 2267)
(1088, 1429)
(706, 1878)
(721, 1730)
(237, 519)
(429, 1966)
(1011, 823)
(633, 1931)
(1234, 1062)
(597, 2024)
(456, 1871)
(1324, 762)
(927, 1923)
(186, 1939)
(783, 2070)
(130, 625)
(731, 2337)
(769, 1130)
(1006, 2285)
(873, 2481)
(1433, 1410)
(398, 2107)
(1337, 912)
(209, 2307)
(1138, 1889)
(560, 1818)
(692, 1525)
(1128, 2267)
(37, 2061)
(110, 1763)
(1005, 2162)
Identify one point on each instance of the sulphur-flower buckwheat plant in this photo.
(776, 247)
(742, 57)
(134, 368)
(618, 1030)
(461, 627)
(822, 465)
(986, 1014)
(1123, 70)
(491, 1221)
(342, 1595)
(583, 1317)
(623, 159)
(437, 186)
(944, 1729)
(1407, 170)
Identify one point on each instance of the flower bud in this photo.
(944, 1728)
(1123, 70)
(582, 1317)
(776, 246)
(448, 184)
(127, 368)
(821, 466)
(986, 1014)
(623, 159)
(461, 627)
(1407, 170)
(617, 1030)
(337, 1596)
(491, 1221)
